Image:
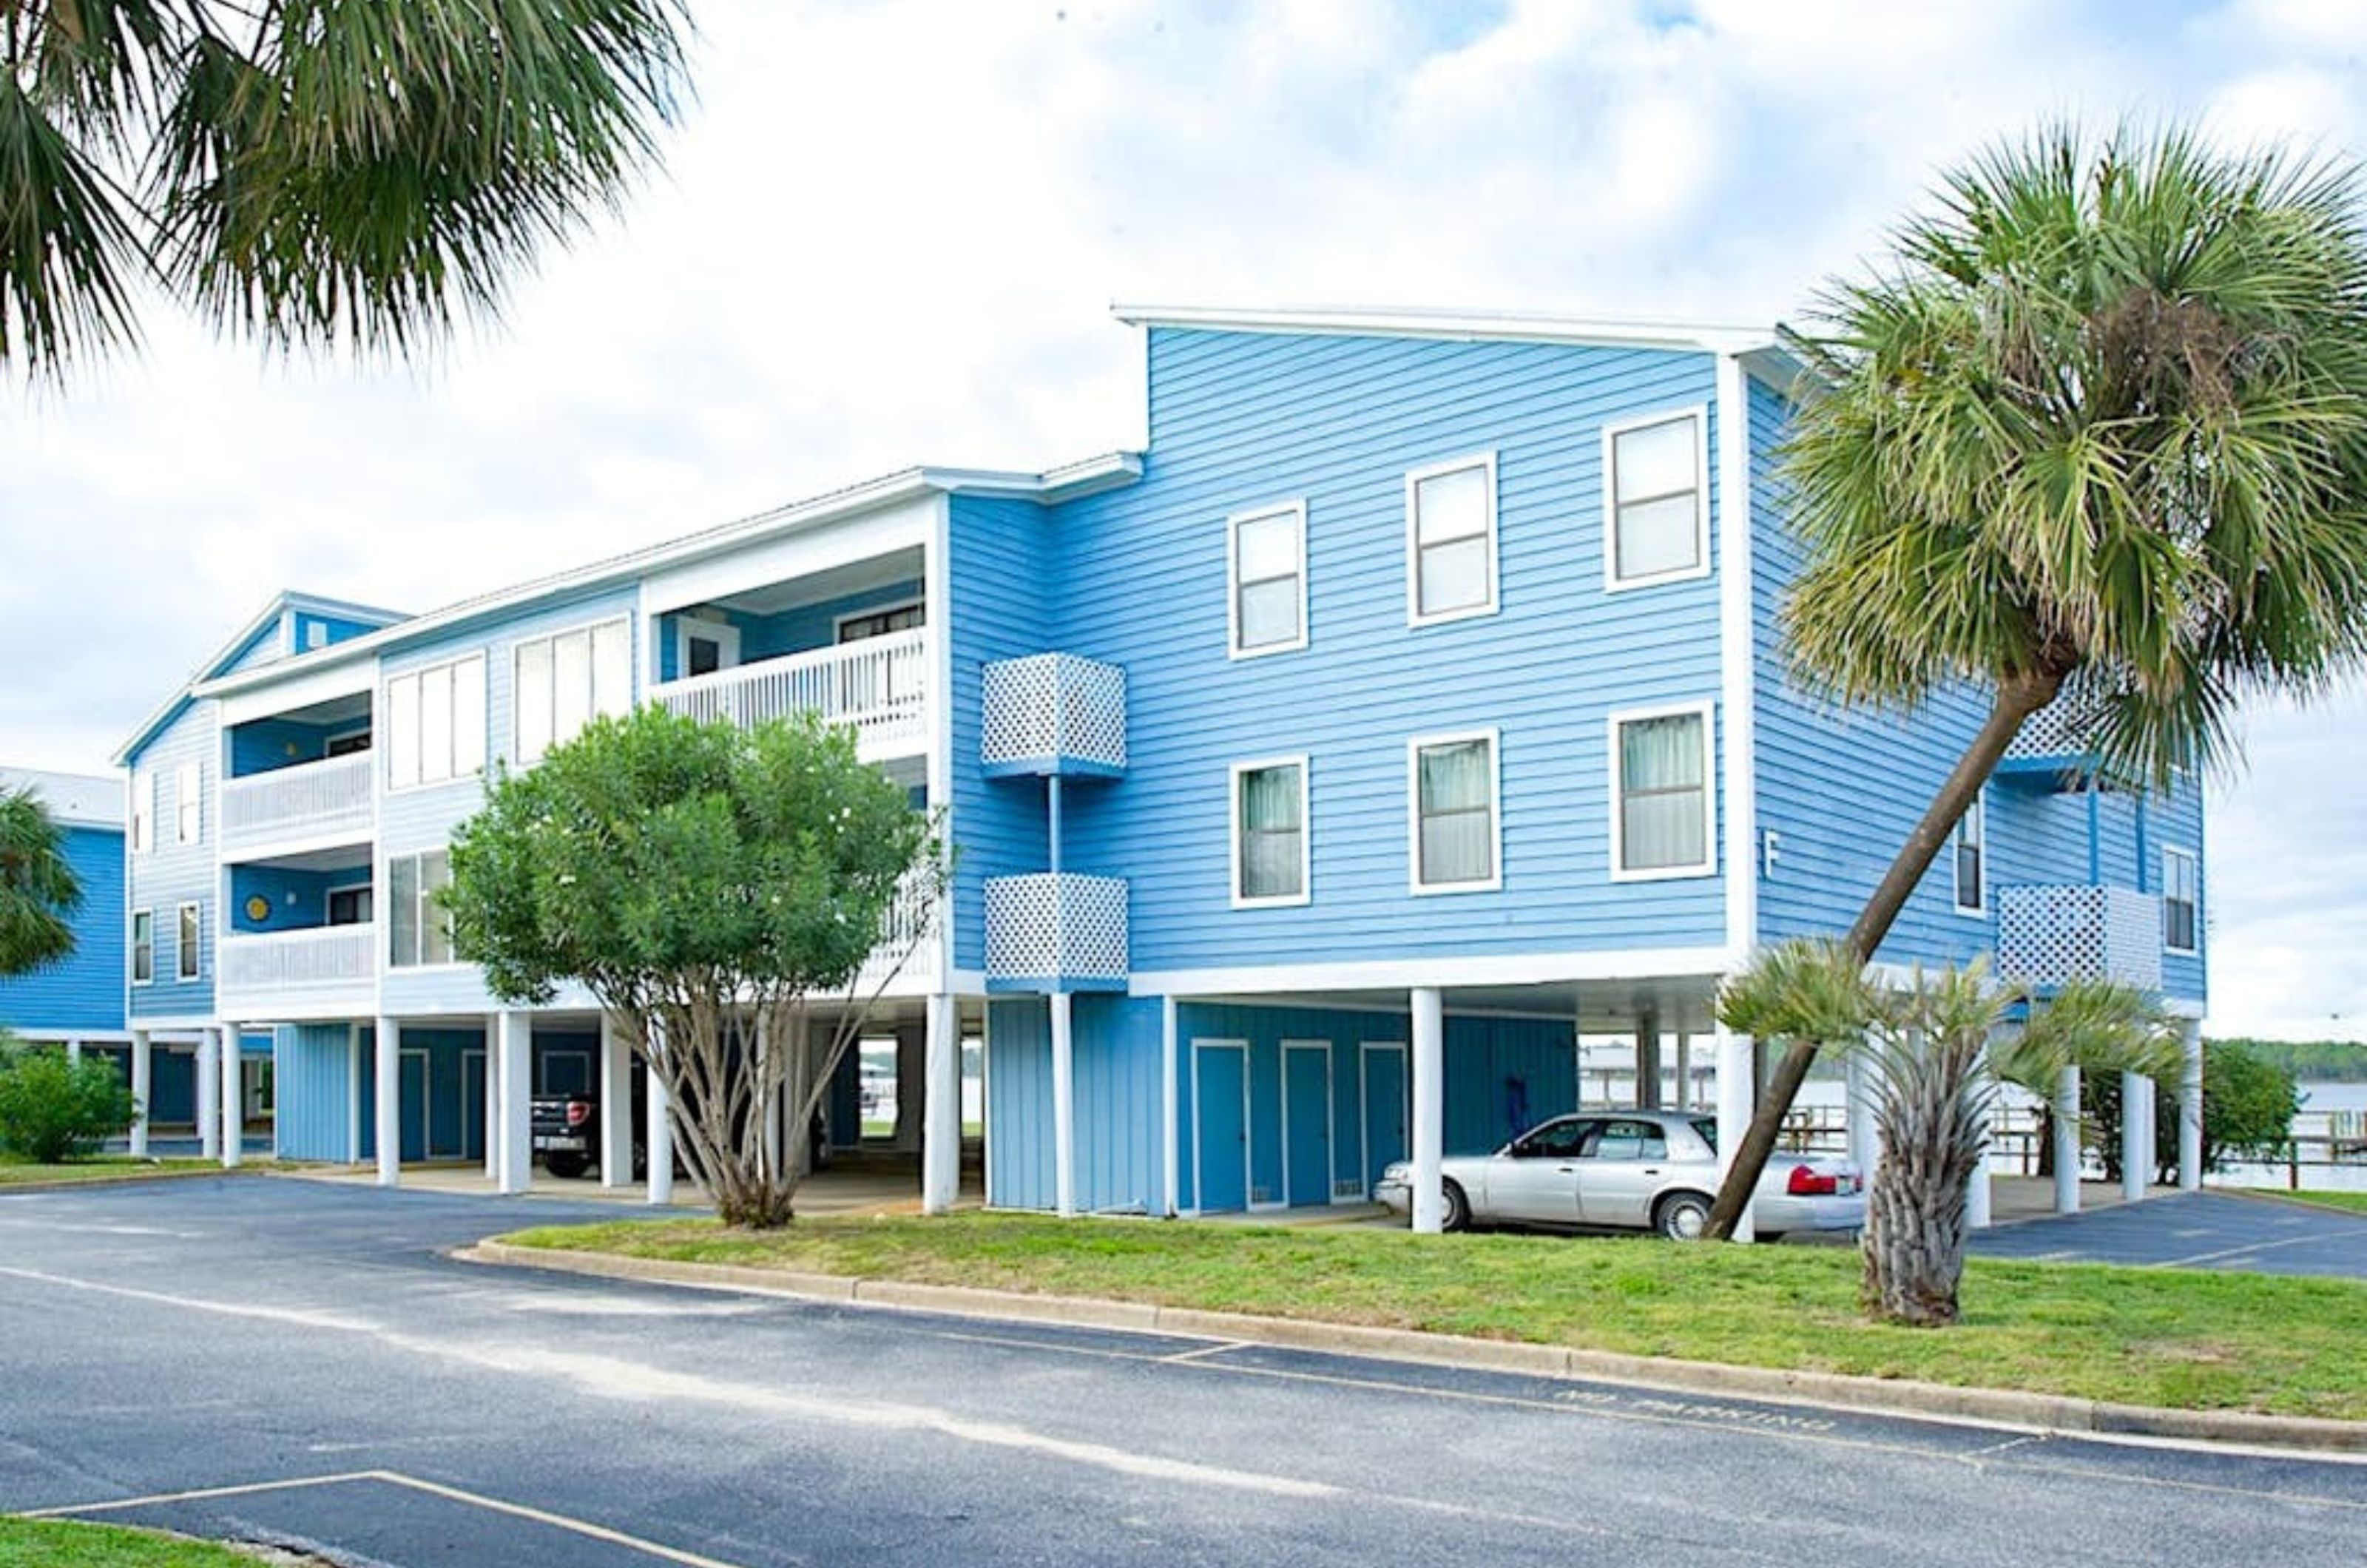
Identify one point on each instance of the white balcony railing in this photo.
(261, 964)
(911, 933)
(879, 686)
(302, 802)
(1056, 927)
(2048, 935)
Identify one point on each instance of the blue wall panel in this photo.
(1019, 1103)
(84, 991)
(314, 1085)
(1119, 1109)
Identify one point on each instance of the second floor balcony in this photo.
(310, 800)
(878, 686)
(327, 971)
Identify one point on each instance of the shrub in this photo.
(2248, 1110)
(52, 1109)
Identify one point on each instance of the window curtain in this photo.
(1661, 792)
(1271, 830)
(1459, 840)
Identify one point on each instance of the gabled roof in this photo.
(78, 800)
(222, 658)
(1507, 326)
(1069, 482)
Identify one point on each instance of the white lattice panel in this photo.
(2060, 730)
(2048, 935)
(1051, 706)
(1045, 926)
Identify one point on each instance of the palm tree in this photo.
(1938, 1049)
(339, 172)
(2098, 436)
(39, 891)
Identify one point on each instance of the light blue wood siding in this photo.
(1119, 1108)
(84, 991)
(1019, 1103)
(268, 644)
(1240, 420)
(173, 872)
(315, 1084)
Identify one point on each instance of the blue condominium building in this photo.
(1411, 708)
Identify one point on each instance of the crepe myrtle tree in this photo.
(723, 892)
(2097, 437)
(1938, 1049)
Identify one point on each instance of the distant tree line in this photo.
(2312, 1061)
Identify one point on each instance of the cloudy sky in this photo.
(889, 232)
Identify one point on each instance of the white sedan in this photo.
(1630, 1170)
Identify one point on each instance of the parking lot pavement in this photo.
(301, 1362)
(2195, 1230)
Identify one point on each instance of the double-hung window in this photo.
(143, 946)
(143, 813)
(564, 680)
(1970, 854)
(435, 723)
(1266, 558)
(1655, 523)
(188, 803)
(1455, 844)
(1451, 540)
(188, 963)
(1661, 806)
(419, 931)
(1269, 836)
(2181, 898)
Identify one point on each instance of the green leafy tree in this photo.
(722, 891)
(2097, 436)
(2248, 1104)
(1936, 1050)
(52, 1109)
(307, 171)
(39, 890)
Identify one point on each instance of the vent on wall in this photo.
(1261, 1195)
(1347, 1187)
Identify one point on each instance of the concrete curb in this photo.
(2053, 1413)
(130, 1179)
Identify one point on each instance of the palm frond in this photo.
(39, 889)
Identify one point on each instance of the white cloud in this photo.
(889, 232)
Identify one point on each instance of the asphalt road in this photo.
(280, 1359)
(2196, 1230)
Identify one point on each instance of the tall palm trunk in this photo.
(1931, 1119)
(2017, 698)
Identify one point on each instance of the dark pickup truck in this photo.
(567, 1134)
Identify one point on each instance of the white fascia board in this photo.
(81, 800)
(1464, 325)
(1402, 974)
(1738, 658)
(296, 689)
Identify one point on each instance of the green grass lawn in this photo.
(57, 1543)
(2354, 1202)
(98, 1168)
(2144, 1337)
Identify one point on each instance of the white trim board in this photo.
(1404, 974)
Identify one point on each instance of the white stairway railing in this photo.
(322, 958)
(879, 686)
(308, 799)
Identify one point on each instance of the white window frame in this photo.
(1706, 710)
(838, 624)
(1978, 815)
(422, 911)
(452, 669)
(520, 752)
(131, 946)
(1612, 582)
(722, 634)
(189, 804)
(188, 943)
(2194, 868)
(143, 813)
(1415, 749)
(1295, 510)
(1306, 833)
(1414, 616)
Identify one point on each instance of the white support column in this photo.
(74, 1052)
(658, 1133)
(493, 1107)
(234, 1096)
(616, 1105)
(1064, 1107)
(2136, 1137)
(774, 1113)
(143, 1070)
(1429, 1067)
(1738, 1098)
(1685, 1070)
(1647, 1058)
(1170, 1120)
(2190, 1111)
(2066, 1141)
(387, 1065)
(514, 1040)
(209, 1090)
(1862, 1112)
(941, 1111)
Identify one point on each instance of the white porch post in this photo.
(513, 1038)
(1647, 1058)
(1977, 1192)
(1429, 1067)
(208, 1090)
(1862, 1110)
(1685, 1070)
(387, 1065)
(2190, 1111)
(142, 1072)
(616, 1104)
(2066, 1141)
(941, 1111)
(657, 1135)
(774, 1113)
(2136, 1137)
(1738, 1098)
(74, 1052)
(1170, 1123)
(233, 1098)
(1064, 1108)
